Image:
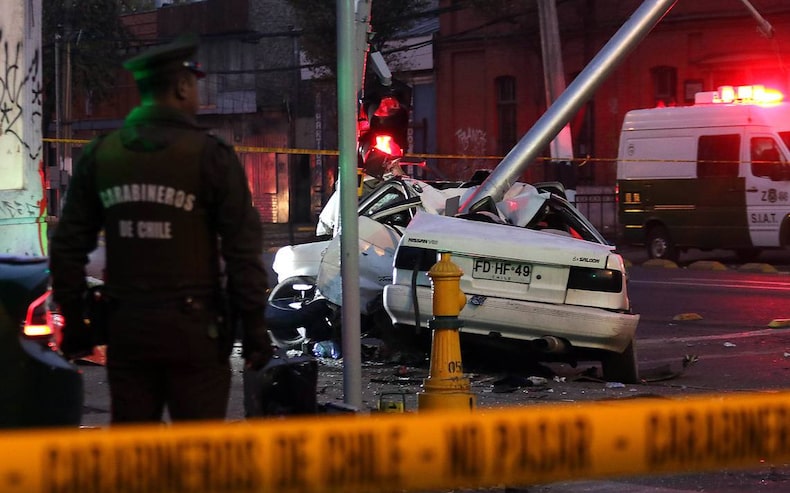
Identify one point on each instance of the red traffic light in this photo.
(387, 145)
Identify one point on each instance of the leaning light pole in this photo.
(569, 102)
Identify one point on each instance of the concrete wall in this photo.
(22, 200)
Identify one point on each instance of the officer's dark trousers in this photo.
(166, 355)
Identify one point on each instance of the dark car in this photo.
(38, 387)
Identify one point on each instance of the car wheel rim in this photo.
(659, 248)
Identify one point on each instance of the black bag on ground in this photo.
(285, 386)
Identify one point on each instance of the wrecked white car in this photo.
(309, 288)
(565, 296)
(534, 270)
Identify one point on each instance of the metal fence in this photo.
(601, 210)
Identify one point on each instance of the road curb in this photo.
(661, 263)
(707, 265)
(758, 267)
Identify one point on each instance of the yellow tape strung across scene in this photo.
(427, 451)
(580, 161)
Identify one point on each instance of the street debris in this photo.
(326, 349)
(665, 372)
(511, 383)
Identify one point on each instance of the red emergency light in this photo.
(751, 94)
(387, 107)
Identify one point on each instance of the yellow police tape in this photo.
(397, 452)
(579, 161)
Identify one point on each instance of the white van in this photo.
(712, 175)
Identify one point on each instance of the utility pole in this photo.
(554, 81)
(55, 184)
(352, 27)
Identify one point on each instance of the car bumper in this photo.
(41, 388)
(581, 327)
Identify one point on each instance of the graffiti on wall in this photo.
(471, 142)
(18, 84)
(15, 208)
(23, 205)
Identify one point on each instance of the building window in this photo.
(665, 83)
(506, 113)
(690, 90)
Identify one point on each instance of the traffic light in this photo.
(384, 127)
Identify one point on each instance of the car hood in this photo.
(455, 235)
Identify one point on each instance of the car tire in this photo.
(660, 245)
(280, 301)
(621, 367)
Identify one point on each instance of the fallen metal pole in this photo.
(569, 102)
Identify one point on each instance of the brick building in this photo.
(250, 95)
(477, 75)
(489, 72)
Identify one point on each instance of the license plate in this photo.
(501, 270)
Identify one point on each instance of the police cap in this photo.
(176, 55)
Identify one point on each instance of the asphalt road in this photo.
(734, 352)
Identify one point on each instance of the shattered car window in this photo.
(392, 196)
(557, 216)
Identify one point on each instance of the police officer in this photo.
(173, 201)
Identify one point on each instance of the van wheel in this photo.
(659, 244)
(621, 367)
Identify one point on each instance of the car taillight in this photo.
(587, 279)
(41, 321)
(411, 258)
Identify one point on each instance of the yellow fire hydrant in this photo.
(446, 387)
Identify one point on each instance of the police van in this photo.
(712, 175)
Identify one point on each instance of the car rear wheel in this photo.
(660, 245)
(621, 367)
(285, 300)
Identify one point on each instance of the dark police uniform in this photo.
(171, 200)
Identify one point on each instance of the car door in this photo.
(767, 187)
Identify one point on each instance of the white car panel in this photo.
(582, 327)
(299, 260)
(575, 290)
(453, 234)
(377, 245)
